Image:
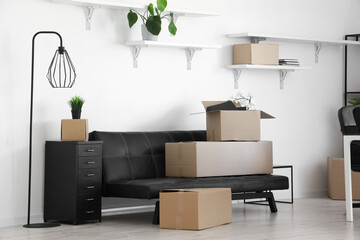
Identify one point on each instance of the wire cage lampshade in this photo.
(61, 72)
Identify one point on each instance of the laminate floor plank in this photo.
(308, 218)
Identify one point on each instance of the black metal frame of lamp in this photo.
(62, 63)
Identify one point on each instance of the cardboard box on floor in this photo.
(195, 209)
(225, 125)
(74, 130)
(336, 180)
(203, 159)
(262, 54)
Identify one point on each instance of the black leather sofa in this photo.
(134, 167)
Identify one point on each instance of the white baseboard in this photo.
(7, 222)
(279, 195)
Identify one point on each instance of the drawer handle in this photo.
(90, 187)
(89, 212)
(91, 162)
(90, 150)
(90, 174)
(90, 199)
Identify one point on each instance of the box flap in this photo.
(206, 104)
(264, 115)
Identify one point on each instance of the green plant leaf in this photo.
(354, 101)
(153, 25)
(132, 18)
(157, 12)
(161, 4)
(151, 9)
(76, 103)
(172, 28)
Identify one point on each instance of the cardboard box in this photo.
(74, 130)
(226, 125)
(205, 159)
(263, 54)
(195, 209)
(336, 180)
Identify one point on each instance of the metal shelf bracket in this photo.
(283, 74)
(237, 73)
(189, 55)
(318, 47)
(257, 39)
(89, 12)
(135, 50)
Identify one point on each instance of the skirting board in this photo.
(279, 195)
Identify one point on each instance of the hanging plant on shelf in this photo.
(152, 20)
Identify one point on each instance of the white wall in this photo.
(161, 93)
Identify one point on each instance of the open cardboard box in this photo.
(195, 209)
(230, 125)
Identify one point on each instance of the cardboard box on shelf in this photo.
(74, 130)
(336, 180)
(204, 159)
(195, 209)
(262, 54)
(232, 125)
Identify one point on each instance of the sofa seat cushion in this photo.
(150, 188)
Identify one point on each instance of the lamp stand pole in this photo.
(46, 224)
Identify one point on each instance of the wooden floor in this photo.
(310, 218)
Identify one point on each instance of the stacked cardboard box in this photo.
(195, 209)
(233, 146)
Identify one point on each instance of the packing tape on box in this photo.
(180, 157)
(180, 210)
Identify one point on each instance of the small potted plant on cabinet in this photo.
(76, 104)
(151, 19)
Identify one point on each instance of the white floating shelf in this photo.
(283, 70)
(189, 47)
(256, 38)
(90, 5)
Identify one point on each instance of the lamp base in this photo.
(41, 225)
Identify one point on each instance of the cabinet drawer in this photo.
(89, 162)
(91, 174)
(89, 188)
(89, 214)
(88, 201)
(90, 150)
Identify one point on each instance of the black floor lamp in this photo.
(61, 74)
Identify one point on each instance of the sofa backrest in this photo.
(138, 155)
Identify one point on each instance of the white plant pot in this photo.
(146, 35)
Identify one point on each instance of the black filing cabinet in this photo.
(73, 181)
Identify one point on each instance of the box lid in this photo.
(196, 190)
(206, 104)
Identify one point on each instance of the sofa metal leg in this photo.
(156, 216)
(272, 203)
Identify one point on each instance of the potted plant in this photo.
(76, 104)
(151, 19)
